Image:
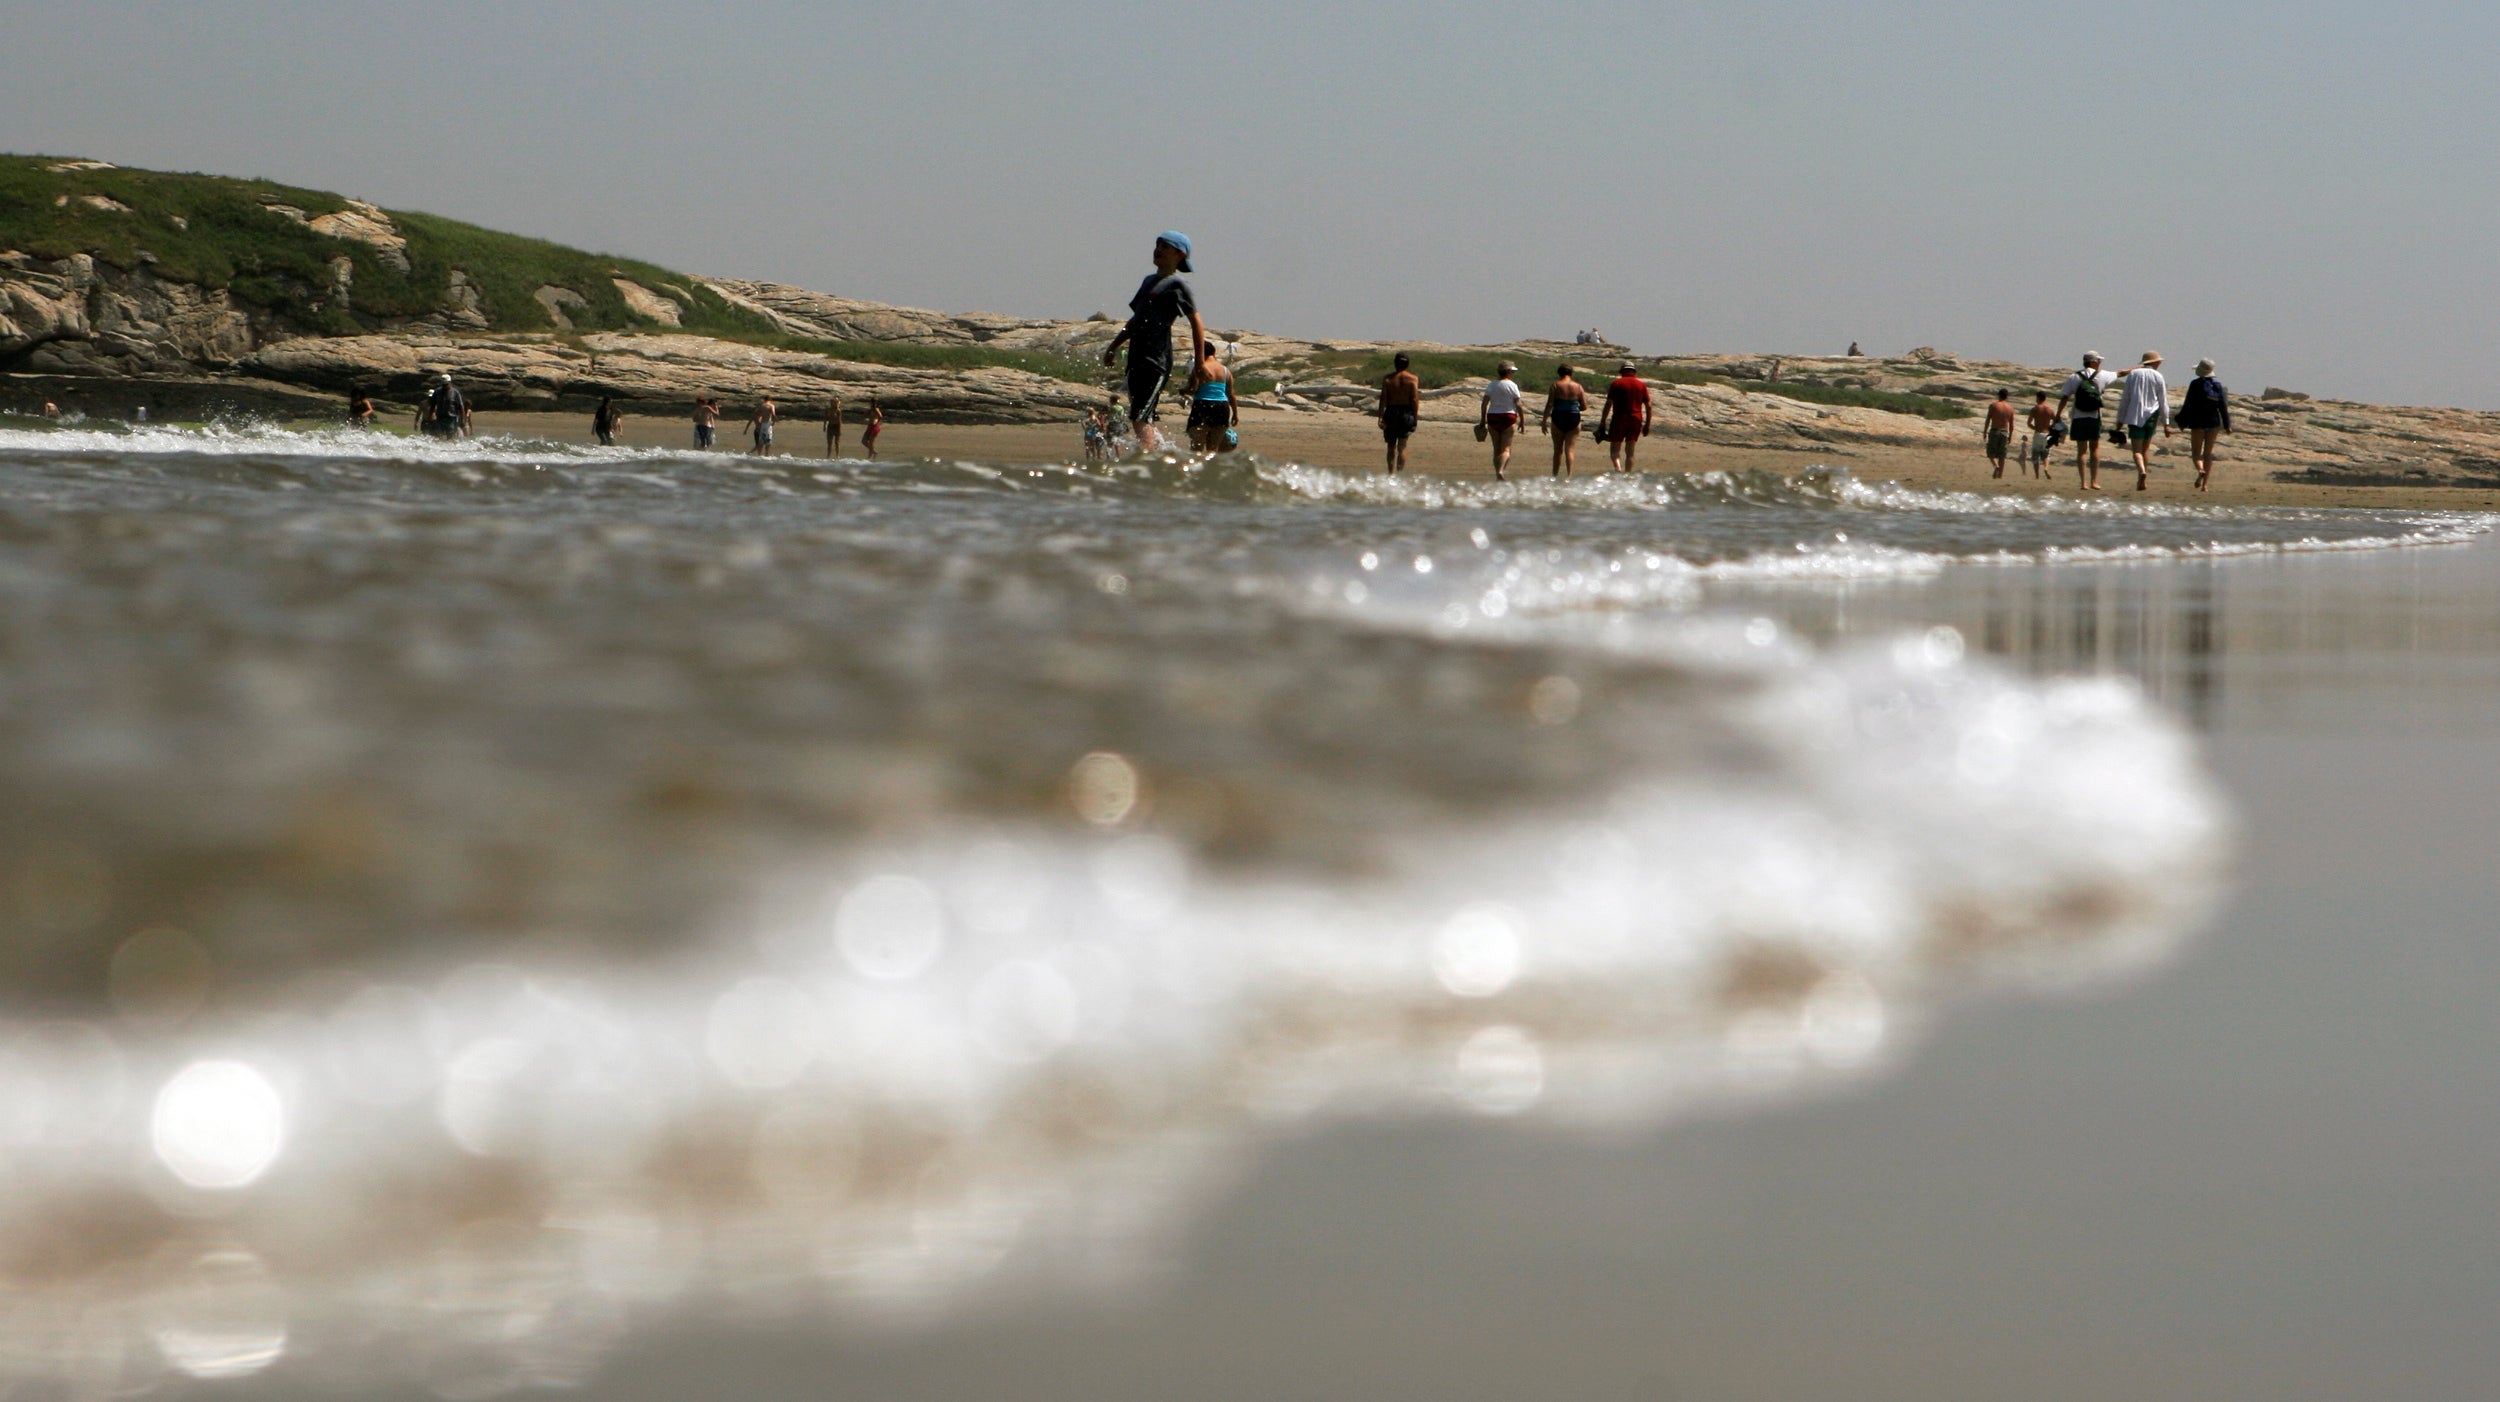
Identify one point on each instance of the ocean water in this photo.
(469, 903)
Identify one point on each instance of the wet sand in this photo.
(1351, 443)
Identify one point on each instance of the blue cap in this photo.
(1179, 241)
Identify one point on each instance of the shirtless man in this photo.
(2043, 418)
(1498, 414)
(2000, 430)
(833, 427)
(760, 424)
(1565, 401)
(1401, 401)
(1624, 422)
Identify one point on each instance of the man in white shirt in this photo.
(2086, 388)
(1498, 415)
(2144, 403)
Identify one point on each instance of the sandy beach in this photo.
(1351, 443)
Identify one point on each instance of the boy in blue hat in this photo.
(1163, 298)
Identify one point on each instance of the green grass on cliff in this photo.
(219, 232)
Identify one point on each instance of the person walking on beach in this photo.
(2144, 402)
(2043, 418)
(2000, 431)
(706, 422)
(445, 410)
(1565, 401)
(875, 425)
(760, 425)
(2085, 388)
(1163, 298)
(833, 426)
(2206, 415)
(605, 420)
(1625, 420)
(1497, 416)
(1212, 411)
(1401, 406)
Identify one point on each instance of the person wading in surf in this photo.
(706, 422)
(760, 425)
(1162, 299)
(833, 427)
(1401, 402)
(1212, 410)
(1560, 419)
(445, 411)
(875, 425)
(605, 421)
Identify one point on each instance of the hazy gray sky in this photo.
(2302, 191)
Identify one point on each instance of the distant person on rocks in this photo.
(875, 425)
(706, 422)
(1497, 416)
(445, 410)
(833, 426)
(605, 420)
(359, 410)
(1625, 420)
(1212, 410)
(760, 425)
(1162, 299)
(2206, 415)
(1401, 408)
(1565, 401)
(1854, 352)
(2000, 431)
(2043, 418)
(2085, 389)
(2144, 403)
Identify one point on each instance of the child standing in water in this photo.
(833, 427)
(875, 426)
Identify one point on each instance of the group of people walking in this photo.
(2143, 409)
(1623, 417)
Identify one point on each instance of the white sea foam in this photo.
(903, 1061)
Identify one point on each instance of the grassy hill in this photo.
(221, 232)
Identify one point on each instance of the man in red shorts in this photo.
(1625, 420)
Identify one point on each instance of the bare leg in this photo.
(1631, 447)
(1501, 453)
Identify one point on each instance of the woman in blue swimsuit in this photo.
(1211, 406)
(1564, 403)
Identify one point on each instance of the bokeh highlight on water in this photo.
(464, 899)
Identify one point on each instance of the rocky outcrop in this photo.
(76, 316)
(366, 224)
(650, 305)
(558, 301)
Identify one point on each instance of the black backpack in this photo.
(2088, 394)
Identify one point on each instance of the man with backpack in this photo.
(2086, 388)
(445, 410)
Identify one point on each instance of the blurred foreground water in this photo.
(467, 902)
